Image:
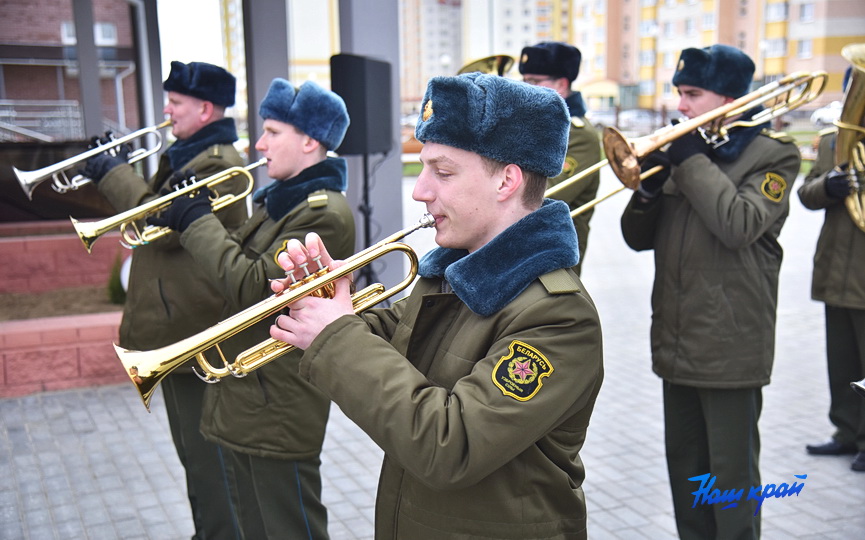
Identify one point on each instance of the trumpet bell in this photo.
(498, 64)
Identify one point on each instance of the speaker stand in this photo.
(367, 273)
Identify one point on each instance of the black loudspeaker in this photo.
(364, 85)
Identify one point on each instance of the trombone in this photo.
(147, 368)
(133, 237)
(624, 155)
(497, 64)
(59, 172)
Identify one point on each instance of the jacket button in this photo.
(429, 303)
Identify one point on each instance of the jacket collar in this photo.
(491, 277)
(281, 196)
(740, 138)
(576, 105)
(183, 150)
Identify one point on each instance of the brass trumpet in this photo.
(624, 155)
(133, 237)
(147, 368)
(498, 64)
(59, 172)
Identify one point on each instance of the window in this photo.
(806, 12)
(708, 21)
(690, 27)
(805, 48)
(669, 60)
(647, 87)
(776, 48)
(104, 34)
(647, 58)
(776, 12)
(669, 29)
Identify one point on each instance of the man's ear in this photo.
(310, 144)
(206, 111)
(511, 181)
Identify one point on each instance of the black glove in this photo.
(686, 146)
(651, 186)
(178, 180)
(837, 184)
(99, 165)
(183, 211)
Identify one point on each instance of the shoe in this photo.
(832, 448)
(858, 462)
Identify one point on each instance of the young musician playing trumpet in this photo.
(480, 385)
(270, 424)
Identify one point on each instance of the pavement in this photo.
(93, 464)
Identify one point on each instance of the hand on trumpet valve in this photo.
(837, 182)
(184, 211)
(686, 146)
(178, 180)
(99, 165)
(651, 186)
(308, 316)
(97, 141)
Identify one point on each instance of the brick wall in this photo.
(56, 353)
(44, 262)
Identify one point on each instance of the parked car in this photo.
(824, 116)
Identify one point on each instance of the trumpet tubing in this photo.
(90, 231)
(147, 368)
(60, 171)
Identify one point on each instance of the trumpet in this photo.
(59, 172)
(147, 368)
(624, 155)
(133, 237)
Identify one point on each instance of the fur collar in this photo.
(281, 196)
(740, 138)
(183, 150)
(491, 277)
(576, 105)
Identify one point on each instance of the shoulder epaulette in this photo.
(560, 282)
(317, 199)
(778, 135)
(827, 131)
(578, 122)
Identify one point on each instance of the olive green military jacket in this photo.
(584, 150)
(481, 417)
(168, 298)
(838, 278)
(714, 231)
(271, 412)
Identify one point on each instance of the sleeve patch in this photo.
(773, 187)
(520, 373)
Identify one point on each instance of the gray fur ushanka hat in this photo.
(319, 113)
(499, 118)
(722, 69)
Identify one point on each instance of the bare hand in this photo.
(309, 315)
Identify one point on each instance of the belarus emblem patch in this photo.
(773, 187)
(520, 373)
